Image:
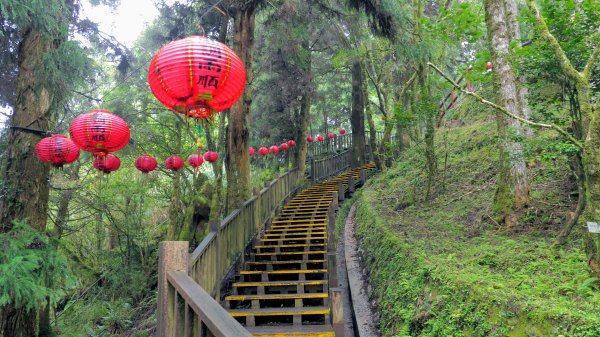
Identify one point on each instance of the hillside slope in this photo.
(444, 267)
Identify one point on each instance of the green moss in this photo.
(444, 268)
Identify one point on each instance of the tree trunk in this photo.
(238, 130)
(357, 118)
(591, 117)
(26, 187)
(176, 209)
(299, 157)
(514, 32)
(372, 131)
(512, 192)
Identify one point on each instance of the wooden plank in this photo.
(217, 320)
(173, 256)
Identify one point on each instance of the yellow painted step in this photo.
(295, 239)
(274, 296)
(303, 271)
(308, 252)
(292, 245)
(280, 283)
(292, 331)
(270, 236)
(286, 262)
(280, 311)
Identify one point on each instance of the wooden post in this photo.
(332, 269)
(330, 228)
(363, 177)
(173, 256)
(337, 311)
(334, 202)
(312, 169)
(351, 184)
(341, 191)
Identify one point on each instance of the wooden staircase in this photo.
(283, 286)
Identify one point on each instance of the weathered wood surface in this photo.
(207, 311)
(173, 257)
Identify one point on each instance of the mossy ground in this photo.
(444, 267)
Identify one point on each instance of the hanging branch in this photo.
(504, 111)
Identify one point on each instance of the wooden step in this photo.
(298, 245)
(280, 311)
(292, 331)
(280, 283)
(275, 297)
(310, 225)
(306, 252)
(280, 235)
(302, 271)
(305, 238)
(285, 262)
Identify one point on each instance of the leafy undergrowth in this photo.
(444, 267)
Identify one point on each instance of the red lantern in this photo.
(309, 139)
(291, 143)
(107, 163)
(196, 76)
(331, 135)
(100, 132)
(284, 146)
(274, 149)
(145, 163)
(489, 65)
(263, 151)
(195, 160)
(342, 131)
(320, 138)
(174, 163)
(211, 156)
(57, 150)
(251, 151)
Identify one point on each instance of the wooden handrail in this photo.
(210, 313)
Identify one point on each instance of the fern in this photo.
(28, 263)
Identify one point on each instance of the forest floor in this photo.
(445, 267)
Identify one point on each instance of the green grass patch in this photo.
(443, 267)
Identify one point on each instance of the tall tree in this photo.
(512, 193)
(591, 123)
(42, 28)
(238, 129)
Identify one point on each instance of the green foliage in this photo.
(31, 270)
(441, 268)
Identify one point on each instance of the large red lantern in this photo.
(100, 132)
(174, 163)
(195, 160)
(284, 146)
(320, 138)
(331, 135)
(196, 76)
(309, 139)
(57, 150)
(251, 151)
(274, 149)
(108, 163)
(291, 143)
(263, 151)
(211, 156)
(342, 131)
(145, 163)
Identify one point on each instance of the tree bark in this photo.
(357, 118)
(26, 188)
(512, 193)
(238, 130)
(514, 32)
(591, 117)
(372, 131)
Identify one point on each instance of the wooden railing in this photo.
(341, 143)
(186, 280)
(321, 169)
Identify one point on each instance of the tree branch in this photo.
(590, 63)
(563, 60)
(504, 111)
